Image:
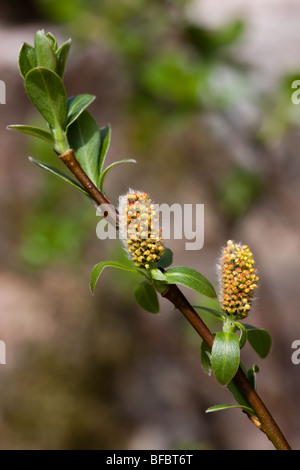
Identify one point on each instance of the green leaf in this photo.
(225, 356)
(104, 173)
(190, 278)
(84, 139)
(62, 56)
(97, 270)
(243, 335)
(251, 374)
(205, 355)
(212, 311)
(226, 407)
(35, 131)
(146, 297)
(45, 54)
(61, 175)
(167, 259)
(105, 135)
(260, 340)
(27, 59)
(52, 41)
(76, 105)
(236, 392)
(47, 92)
(158, 275)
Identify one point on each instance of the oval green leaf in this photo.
(52, 40)
(76, 105)
(84, 139)
(45, 54)
(97, 270)
(62, 56)
(167, 259)
(47, 92)
(260, 340)
(27, 59)
(225, 356)
(146, 297)
(157, 275)
(190, 278)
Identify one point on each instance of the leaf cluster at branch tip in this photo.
(69, 124)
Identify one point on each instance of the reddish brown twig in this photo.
(265, 422)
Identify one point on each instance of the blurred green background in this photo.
(195, 93)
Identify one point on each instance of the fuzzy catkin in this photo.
(139, 226)
(238, 278)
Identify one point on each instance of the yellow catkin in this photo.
(139, 225)
(238, 280)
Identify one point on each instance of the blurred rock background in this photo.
(200, 95)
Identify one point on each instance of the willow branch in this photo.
(68, 158)
(265, 421)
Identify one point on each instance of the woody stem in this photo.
(266, 422)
